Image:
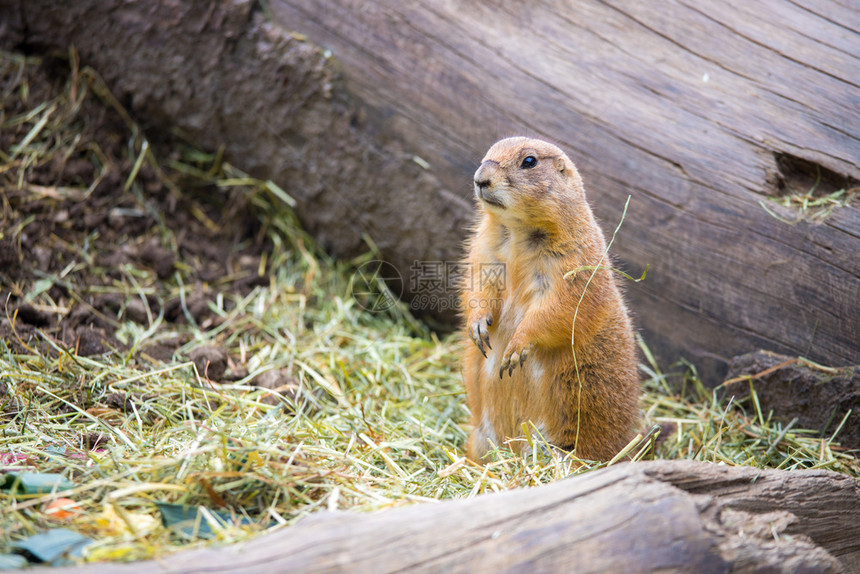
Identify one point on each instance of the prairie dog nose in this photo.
(485, 173)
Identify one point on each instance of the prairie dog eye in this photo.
(528, 162)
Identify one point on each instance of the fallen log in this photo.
(701, 111)
(661, 516)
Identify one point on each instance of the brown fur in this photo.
(537, 224)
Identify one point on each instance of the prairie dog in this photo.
(534, 225)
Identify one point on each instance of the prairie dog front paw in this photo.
(480, 334)
(515, 355)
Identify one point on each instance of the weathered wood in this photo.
(684, 105)
(663, 516)
(699, 110)
(222, 75)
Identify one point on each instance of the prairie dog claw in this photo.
(480, 335)
(513, 359)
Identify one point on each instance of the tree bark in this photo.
(661, 516)
(699, 110)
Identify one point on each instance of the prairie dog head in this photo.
(526, 180)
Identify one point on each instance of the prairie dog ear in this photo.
(559, 165)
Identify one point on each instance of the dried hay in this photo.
(365, 411)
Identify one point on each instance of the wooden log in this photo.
(700, 111)
(662, 516)
(221, 75)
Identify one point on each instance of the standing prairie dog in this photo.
(534, 225)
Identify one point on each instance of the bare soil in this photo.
(86, 243)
